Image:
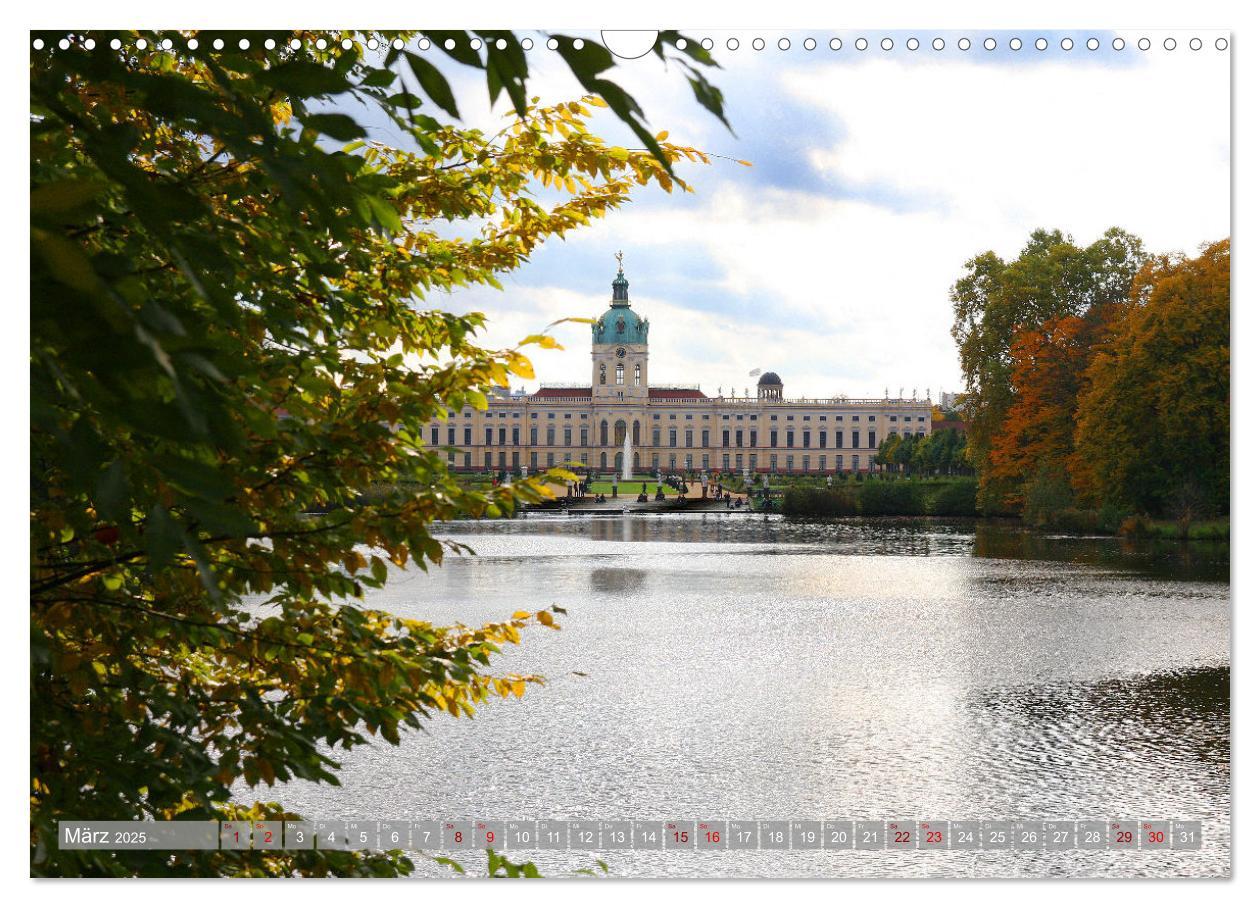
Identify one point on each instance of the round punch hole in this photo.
(527, 43)
(886, 44)
(1144, 44)
(1221, 44)
(1196, 44)
(321, 44)
(990, 44)
(1066, 44)
(784, 44)
(835, 44)
(193, 43)
(732, 44)
(1092, 44)
(141, 44)
(964, 44)
(707, 44)
(809, 44)
(1041, 44)
(912, 44)
(860, 44)
(346, 44)
(90, 43)
(115, 44)
(424, 44)
(1117, 44)
(1016, 44)
(758, 44)
(938, 44)
(1170, 44)
(578, 44)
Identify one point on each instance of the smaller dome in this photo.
(770, 378)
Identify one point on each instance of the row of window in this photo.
(688, 437)
(807, 464)
(738, 417)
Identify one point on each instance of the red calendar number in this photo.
(714, 836)
(901, 837)
(934, 837)
(680, 835)
(1124, 838)
(267, 836)
(490, 835)
(459, 837)
(1156, 836)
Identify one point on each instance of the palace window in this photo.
(774, 462)
(603, 374)
(805, 462)
(533, 434)
(533, 460)
(551, 435)
(789, 463)
(551, 459)
(791, 437)
(568, 436)
(856, 440)
(687, 438)
(726, 462)
(870, 441)
(637, 375)
(635, 433)
(673, 440)
(516, 435)
(739, 438)
(516, 460)
(656, 438)
(488, 464)
(752, 438)
(656, 461)
(739, 461)
(468, 435)
(585, 441)
(603, 431)
(805, 438)
(774, 438)
(450, 435)
(822, 462)
(621, 374)
(502, 435)
(704, 438)
(433, 435)
(704, 462)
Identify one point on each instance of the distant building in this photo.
(671, 428)
(950, 400)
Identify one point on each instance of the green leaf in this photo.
(335, 125)
(433, 83)
(304, 79)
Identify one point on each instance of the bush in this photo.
(953, 498)
(800, 501)
(890, 499)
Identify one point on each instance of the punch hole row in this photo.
(732, 44)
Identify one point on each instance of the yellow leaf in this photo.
(662, 135)
(545, 618)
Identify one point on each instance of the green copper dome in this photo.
(620, 324)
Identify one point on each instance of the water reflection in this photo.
(617, 580)
(743, 667)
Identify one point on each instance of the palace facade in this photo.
(670, 429)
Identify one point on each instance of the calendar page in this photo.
(711, 453)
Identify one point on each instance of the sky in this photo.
(876, 175)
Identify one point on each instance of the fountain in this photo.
(627, 471)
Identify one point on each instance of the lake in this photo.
(744, 667)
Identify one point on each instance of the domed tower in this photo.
(619, 351)
(770, 387)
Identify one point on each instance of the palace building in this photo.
(665, 428)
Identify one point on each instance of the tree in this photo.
(995, 301)
(1153, 428)
(1034, 439)
(229, 344)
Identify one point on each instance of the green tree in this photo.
(1153, 430)
(995, 300)
(229, 344)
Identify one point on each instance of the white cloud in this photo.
(848, 289)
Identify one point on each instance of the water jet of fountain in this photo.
(627, 472)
